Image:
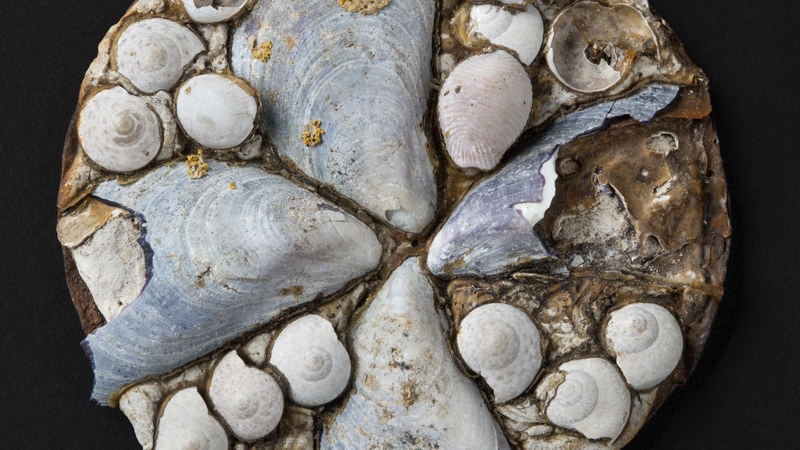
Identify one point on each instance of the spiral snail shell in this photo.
(186, 424)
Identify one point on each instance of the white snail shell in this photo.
(312, 359)
(186, 424)
(250, 400)
(119, 131)
(647, 341)
(522, 32)
(213, 11)
(502, 344)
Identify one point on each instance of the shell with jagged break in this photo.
(213, 11)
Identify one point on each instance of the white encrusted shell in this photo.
(647, 342)
(213, 11)
(483, 107)
(593, 399)
(118, 131)
(186, 424)
(312, 359)
(217, 111)
(250, 400)
(502, 344)
(522, 32)
(153, 53)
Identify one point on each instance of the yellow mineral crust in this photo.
(366, 7)
(312, 133)
(197, 167)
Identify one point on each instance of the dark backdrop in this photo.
(744, 393)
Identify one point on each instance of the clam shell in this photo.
(217, 111)
(186, 424)
(247, 254)
(365, 79)
(153, 53)
(483, 107)
(213, 11)
(522, 32)
(491, 229)
(308, 353)
(118, 131)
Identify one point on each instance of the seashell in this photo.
(483, 107)
(522, 32)
(647, 342)
(247, 254)
(592, 399)
(250, 400)
(118, 131)
(407, 389)
(308, 353)
(364, 80)
(502, 344)
(153, 53)
(491, 229)
(186, 424)
(217, 111)
(593, 47)
(213, 11)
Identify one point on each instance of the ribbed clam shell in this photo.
(308, 353)
(153, 53)
(592, 399)
(213, 11)
(118, 131)
(647, 341)
(483, 107)
(250, 400)
(185, 424)
(365, 79)
(502, 344)
(491, 229)
(522, 32)
(217, 111)
(223, 260)
(408, 391)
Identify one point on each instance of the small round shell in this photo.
(592, 399)
(522, 32)
(186, 424)
(312, 359)
(119, 131)
(483, 107)
(153, 53)
(647, 342)
(250, 400)
(502, 344)
(213, 11)
(217, 111)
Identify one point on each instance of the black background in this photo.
(744, 394)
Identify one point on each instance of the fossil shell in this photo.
(186, 424)
(250, 400)
(310, 356)
(647, 341)
(217, 111)
(592, 47)
(483, 107)
(118, 131)
(213, 11)
(522, 32)
(592, 399)
(405, 376)
(153, 53)
(490, 230)
(502, 344)
(248, 254)
(364, 78)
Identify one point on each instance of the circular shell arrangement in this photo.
(404, 223)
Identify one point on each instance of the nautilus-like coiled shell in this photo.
(119, 131)
(185, 424)
(522, 32)
(502, 344)
(647, 341)
(212, 11)
(249, 399)
(217, 111)
(484, 105)
(592, 399)
(310, 356)
(153, 53)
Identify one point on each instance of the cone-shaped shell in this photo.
(647, 342)
(213, 11)
(186, 424)
(522, 32)
(250, 400)
(502, 344)
(118, 131)
(153, 53)
(483, 107)
(310, 356)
